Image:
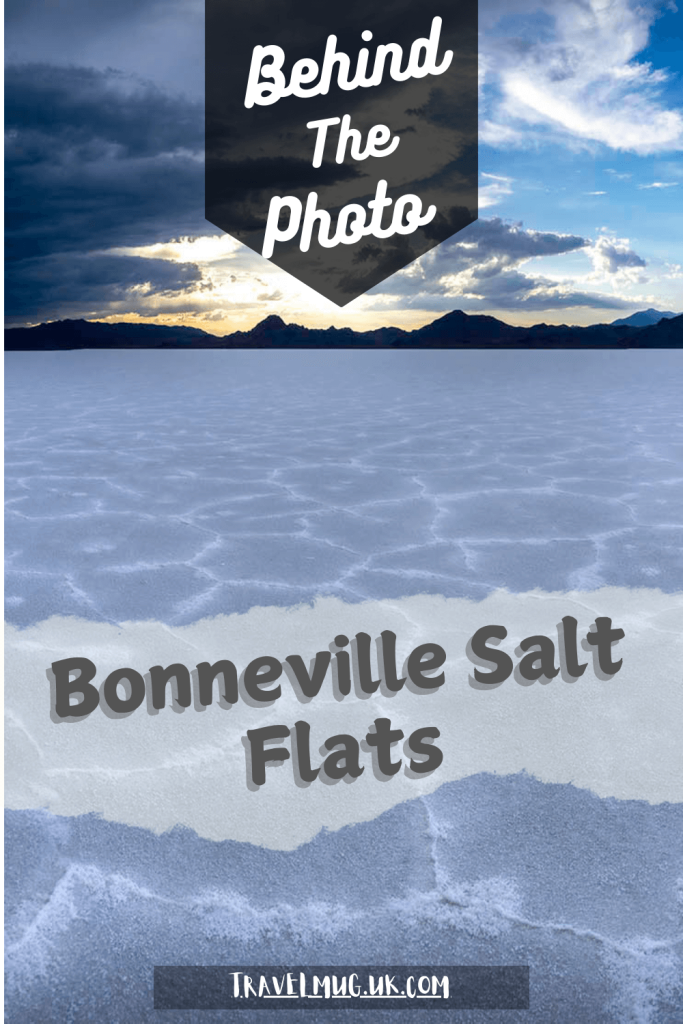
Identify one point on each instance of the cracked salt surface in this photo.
(488, 870)
(176, 487)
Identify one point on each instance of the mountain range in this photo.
(454, 330)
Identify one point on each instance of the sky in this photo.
(580, 192)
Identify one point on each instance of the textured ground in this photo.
(174, 486)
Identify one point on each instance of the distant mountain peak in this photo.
(644, 318)
(272, 322)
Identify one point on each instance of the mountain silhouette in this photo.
(454, 330)
(644, 318)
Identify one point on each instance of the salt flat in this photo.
(175, 486)
(159, 500)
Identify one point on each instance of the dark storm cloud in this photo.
(94, 160)
(70, 285)
(90, 111)
(161, 40)
(72, 17)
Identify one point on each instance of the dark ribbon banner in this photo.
(308, 988)
(341, 139)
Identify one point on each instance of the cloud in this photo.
(660, 184)
(124, 147)
(492, 133)
(567, 72)
(618, 175)
(94, 160)
(479, 269)
(95, 285)
(95, 113)
(162, 39)
(613, 256)
(508, 241)
(102, 164)
(495, 191)
(206, 249)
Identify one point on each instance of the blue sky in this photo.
(600, 154)
(581, 188)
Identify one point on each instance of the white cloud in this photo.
(660, 184)
(480, 269)
(495, 191)
(612, 256)
(503, 135)
(568, 68)
(204, 248)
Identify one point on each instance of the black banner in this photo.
(341, 140)
(379, 988)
